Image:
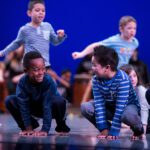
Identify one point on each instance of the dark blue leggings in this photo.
(58, 110)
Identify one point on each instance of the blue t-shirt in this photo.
(123, 48)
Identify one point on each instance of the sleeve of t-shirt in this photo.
(23, 101)
(49, 91)
(143, 104)
(54, 39)
(121, 102)
(99, 105)
(106, 42)
(15, 44)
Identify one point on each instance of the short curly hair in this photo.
(29, 56)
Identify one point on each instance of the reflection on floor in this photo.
(82, 137)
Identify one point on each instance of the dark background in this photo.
(85, 22)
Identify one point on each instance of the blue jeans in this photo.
(58, 110)
(130, 116)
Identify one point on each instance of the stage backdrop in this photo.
(85, 21)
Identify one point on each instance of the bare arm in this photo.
(54, 75)
(88, 50)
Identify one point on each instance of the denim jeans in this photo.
(130, 116)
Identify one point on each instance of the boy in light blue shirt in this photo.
(124, 43)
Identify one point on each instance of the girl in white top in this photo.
(140, 91)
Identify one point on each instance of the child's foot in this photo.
(34, 123)
(62, 133)
(62, 128)
(137, 131)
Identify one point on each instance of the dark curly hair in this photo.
(29, 56)
(106, 56)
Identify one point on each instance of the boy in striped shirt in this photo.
(114, 97)
(37, 35)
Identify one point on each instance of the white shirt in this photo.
(141, 90)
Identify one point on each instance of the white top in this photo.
(141, 90)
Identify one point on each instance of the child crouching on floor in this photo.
(114, 97)
(37, 95)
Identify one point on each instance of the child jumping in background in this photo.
(140, 91)
(114, 97)
(37, 95)
(124, 43)
(37, 35)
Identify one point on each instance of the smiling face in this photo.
(36, 70)
(128, 31)
(98, 69)
(37, 13)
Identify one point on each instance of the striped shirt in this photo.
(35, 39)
(117, 91)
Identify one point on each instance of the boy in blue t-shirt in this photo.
(124, 43)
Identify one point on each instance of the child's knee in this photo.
(87, 109)
(7, 101)
(83, 108)
(58, 100)
(132, 119)
(10, 101)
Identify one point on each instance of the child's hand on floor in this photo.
(141, 137)
(26, 133)
(103, 134)
(110, 137)
(40, 133)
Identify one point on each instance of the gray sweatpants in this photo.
(130, 116)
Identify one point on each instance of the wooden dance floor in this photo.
(82, 137)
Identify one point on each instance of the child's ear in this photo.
(29, 13)
(120, 28)
(108, 67)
